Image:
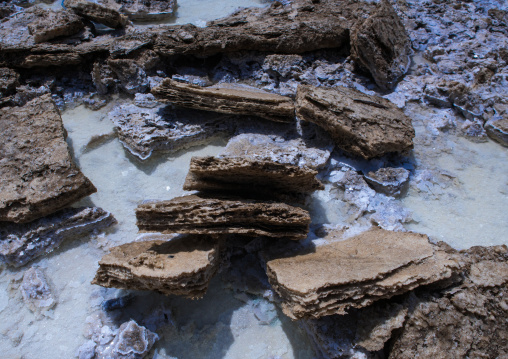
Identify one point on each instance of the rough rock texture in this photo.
(468, 320)
(359, 332)
(98, 13)
(388, 180)
(201, 215)
(52, 24)
(139, 10)
(144, 130)
(304, 27)
(21, 243)
(131, 342)
(36, 290)
(381, 45)
(9, 79)
(37, 171)
(227, 98)
(355, 272)
(183, 266)
(368, 126)
(250, 178)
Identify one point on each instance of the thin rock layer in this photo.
(182, 266)
(226, 215)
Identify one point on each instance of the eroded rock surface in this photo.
(36, 291)
(21, 243)
(98, 13)
(144, 130)
(356, 272)
(138, 10)
(38, 174)
(52, 24)
(202, 215)
(183, 265)
(227, 98)
(367, 126)
(468, 320)
(381, 45)
(9, 79)
(250, 178)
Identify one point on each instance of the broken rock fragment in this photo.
(51, 24)
(38, 174)
(202, 215)
(356, 272)
(250, 177)
(98, 13)
(388, 180)
(227, 98)
(182, 266)
(21, 243)
(138, 10)
(381, 45)
(145, 130)
(364, 125)
(9, 79)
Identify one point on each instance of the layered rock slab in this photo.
(182, 266)
(145, 130)
(199, 214)
(38, 174)
(249, 177)
(356, 272)
(21, 243)
(227, 98)
(381, 45)
(138, 10)
(364, 125)
(466, 320)
(52, 24)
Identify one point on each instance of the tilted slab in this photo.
(364, 125)
(355, 272)
(182, 266)
(227, 98)
(202, 215)
(21, 243)
(250, 177)
(38, 174)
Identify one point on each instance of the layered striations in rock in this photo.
(139, 10)
(98, 13)
(183, 265)
(145, 130)
(468, 320)
(365, 125)
(250, 178)
(356, 272)
(21, 243)
(381, 45)
(38, 174)
(202, 215)
(227, 98)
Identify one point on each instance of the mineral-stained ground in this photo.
(253, 179)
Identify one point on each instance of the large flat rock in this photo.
(52, 24)
(227, 98)
(250, 178)
(364, 125)
(381, 45)
(21, 243)
(203, 215)
(105, 15)
(38, 174)
(354, 273)
(182, 266)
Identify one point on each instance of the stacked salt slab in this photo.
(356, 272)
(39, 180)
(185, 265)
